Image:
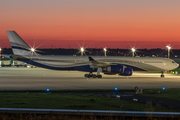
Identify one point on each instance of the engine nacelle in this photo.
(127, 72)
(114, 69)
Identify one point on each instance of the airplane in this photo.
(123, 66)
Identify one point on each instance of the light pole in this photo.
(133, 50)
(169, 48)
(0, 56)
(105, 50)
(32, 49)
(82, 50)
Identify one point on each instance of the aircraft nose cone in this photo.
(178, 65)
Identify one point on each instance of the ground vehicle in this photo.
(6, 63)
(19, 63)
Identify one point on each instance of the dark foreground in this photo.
(9, 116)
(77, 102)
(81, 100)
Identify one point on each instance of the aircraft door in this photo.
(165, 64)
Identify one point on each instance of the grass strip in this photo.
(79, 102)
(170, 94)
(71, 90)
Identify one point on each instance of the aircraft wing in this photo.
(99, 64)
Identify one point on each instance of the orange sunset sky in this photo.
(92, 23)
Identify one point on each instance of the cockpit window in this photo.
(173, 62)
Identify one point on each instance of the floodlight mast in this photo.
(82, 50)
(105, 50)
(32, 49)
(0, 56)
(133, 50)
(169, 48)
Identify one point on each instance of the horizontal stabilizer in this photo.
(91, 59)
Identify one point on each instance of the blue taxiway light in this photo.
(115, 89)
(163, 88)
(47, 90)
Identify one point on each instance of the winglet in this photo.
(91, 59)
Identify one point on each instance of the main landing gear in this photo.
(92, 75)
(162, 75)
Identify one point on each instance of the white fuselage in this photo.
(137, 63)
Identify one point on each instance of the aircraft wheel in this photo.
(86, 75)
(90, 75)
(162, 75)
(94, 76)
(99, 76)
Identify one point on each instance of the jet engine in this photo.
(127, 72)
(114, 69)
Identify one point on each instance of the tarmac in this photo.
(13, 78)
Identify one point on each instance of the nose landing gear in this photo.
(162, 75)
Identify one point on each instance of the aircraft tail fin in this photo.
(18, 45)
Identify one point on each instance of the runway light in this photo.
(163, 88)
(115, 89)
(47, 90)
